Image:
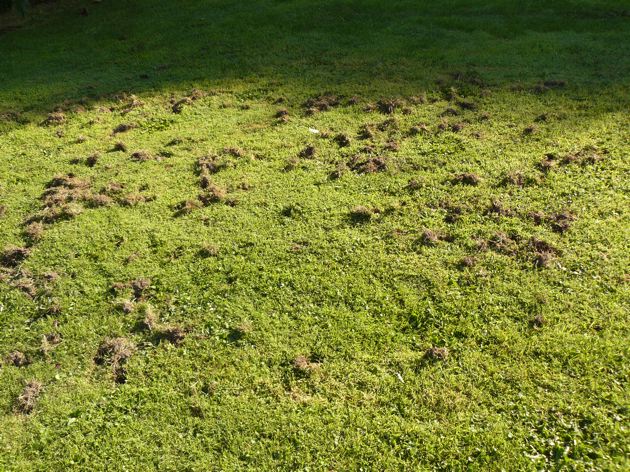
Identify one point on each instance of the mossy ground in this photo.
(315, 293)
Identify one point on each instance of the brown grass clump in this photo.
(212, 194)
(17, 359)
(12, 256)
(281, 113)
(544, 253)
(361, 214)
(388, 106)
(92, 160)
(342, 140)
(173, 334)
(429, 238)
(34, 231)
(366, 132)
(234, 151)
(529, 130)
(466, 105)
(210, 164)
(179, 105)
(388, 124)
(467, 262)
(561, 222)
(368, 165)
(3, 211)
(308, 152)
(27, 400)
(141, 156)
(139, 287)
(497, 208)
(392, 146)
(436, 353)
(538, 322)
(55, 118)
(418, 129)
(457, 127)
(115, 352)
(467, 179)
(132, 199)
(209, 250)
(321, 103)
(120, 147)
(186, 207)
(123, 128)
(548, 162)
(304, 366)
(149, 321)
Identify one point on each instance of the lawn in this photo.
(332, 235)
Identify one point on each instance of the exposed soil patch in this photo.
(367, 165)
(27, 400)
(342, 140)
(561, 222)
(115, 352)
(308, 152)
(17, 359)
(13, 256)
(172, 334)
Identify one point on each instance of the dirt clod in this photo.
(437, 353)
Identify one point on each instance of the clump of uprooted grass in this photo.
(27, 400)
(115, 352)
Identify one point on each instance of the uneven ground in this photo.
(336, 235)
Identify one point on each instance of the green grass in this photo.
(536, 374)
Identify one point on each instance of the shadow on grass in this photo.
(366, 47)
